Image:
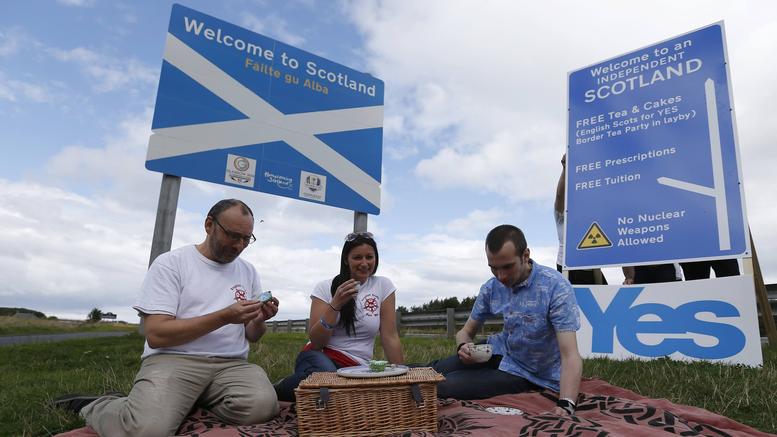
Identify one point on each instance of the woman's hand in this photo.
(345, 292)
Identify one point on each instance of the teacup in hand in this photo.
(480, 353)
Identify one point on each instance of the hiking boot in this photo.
(75, 402)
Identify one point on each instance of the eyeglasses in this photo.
(234, 236)
(354, 235)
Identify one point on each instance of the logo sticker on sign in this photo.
(313, 186)
(240, 170)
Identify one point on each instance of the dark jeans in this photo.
(652, 274)
(701, 269)
(307, 363)
(476, 381)
(582, 277)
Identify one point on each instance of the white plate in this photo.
(364, 371)
(505, 411)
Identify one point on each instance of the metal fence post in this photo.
(450, 314)
(288, 326)
(399, 321)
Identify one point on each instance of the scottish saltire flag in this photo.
(238, 108)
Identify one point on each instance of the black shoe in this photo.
(75, 402)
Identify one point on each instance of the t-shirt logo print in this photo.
(240, 293)
(370, 304)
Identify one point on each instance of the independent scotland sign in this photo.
(653, 169)
(240, 109)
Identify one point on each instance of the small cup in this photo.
(265, 296)
(480, 353)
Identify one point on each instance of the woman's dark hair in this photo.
(348, 311)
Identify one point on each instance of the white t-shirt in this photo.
(369, 300)
(184, 284)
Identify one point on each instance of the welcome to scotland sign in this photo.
(238, 108)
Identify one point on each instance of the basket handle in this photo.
(323, 398)
(416, 392)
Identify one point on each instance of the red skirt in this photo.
(340, 359)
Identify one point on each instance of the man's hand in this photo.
(255, 327)
(242, 311)
(268, 310)
(465, 353)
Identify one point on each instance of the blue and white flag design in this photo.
(240, 109)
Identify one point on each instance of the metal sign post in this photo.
(359, 221)
(165, 221)
(165, 216)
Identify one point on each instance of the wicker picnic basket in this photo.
(329, 404)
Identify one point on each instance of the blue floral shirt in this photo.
(533, 311)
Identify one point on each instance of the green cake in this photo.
(378, 365)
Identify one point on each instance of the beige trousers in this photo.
(168, 386)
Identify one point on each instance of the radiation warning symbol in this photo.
(594, 238)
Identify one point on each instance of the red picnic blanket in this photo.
(605, 410)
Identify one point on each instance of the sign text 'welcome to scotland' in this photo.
(238, 108)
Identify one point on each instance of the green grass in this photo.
(31, 375)
(15, 326)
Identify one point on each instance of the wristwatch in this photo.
(567, 405)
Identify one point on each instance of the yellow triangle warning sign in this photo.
(594, 238)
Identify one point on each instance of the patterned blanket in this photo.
(605, 410)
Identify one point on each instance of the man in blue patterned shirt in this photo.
(537, 347)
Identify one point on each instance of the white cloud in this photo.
(110, 73)
(78, 3)
(489, 101)
(477, 222)
(15, 90)
(114, 168)
(61, 251)
(10, 41)
(503, 165)
(272, 26)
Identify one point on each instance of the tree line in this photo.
(437, 305)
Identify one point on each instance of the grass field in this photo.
(15, 326)
(31, 375)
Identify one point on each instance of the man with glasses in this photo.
(201, 307)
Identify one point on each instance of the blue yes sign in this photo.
(624, 317)
(697, 320)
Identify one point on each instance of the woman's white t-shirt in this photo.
(369, 300)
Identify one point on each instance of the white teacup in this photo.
(480, 352)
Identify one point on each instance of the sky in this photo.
(474, 127)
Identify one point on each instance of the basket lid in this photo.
(415, 375)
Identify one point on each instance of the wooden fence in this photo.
(411, 324)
